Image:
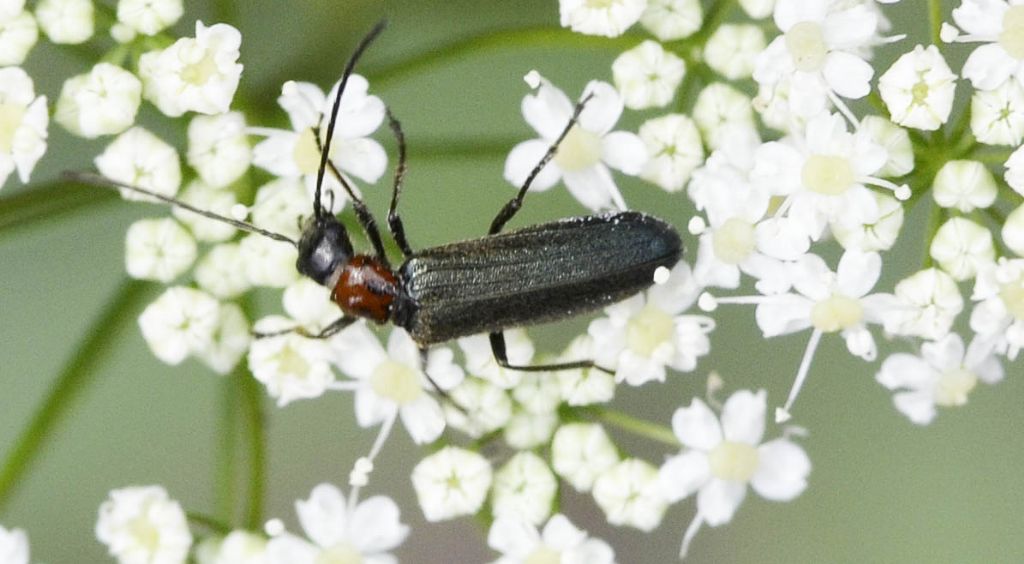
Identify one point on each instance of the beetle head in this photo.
(324, 247)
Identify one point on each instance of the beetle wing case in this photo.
(537, 274)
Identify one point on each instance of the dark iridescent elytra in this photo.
(534, 275)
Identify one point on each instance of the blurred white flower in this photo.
(230, 340)
(647, 75)
(218, 148)
(101, 102)
(139, 158)
(964, 185)
(525, 430)
(943, 375)
(238, 547)
(66, 21)
(732, 50)
(268, 262)
(289, 365)
(719, 459)
(211, 199)
(608, 18)
(480, 360)
(580, 452)
(587, 151)
(158, 249)
(524, 489)
(669, 20)
(629, 494)
(180, 322)
(999, 25)
(879, 235)
(279, 204)
(962, 247)
(149, 17)
(758, 9)
(997, 116)
(675, 148)
(18, 34)
(221, 272)
(1014, 175)
(998, 317)
(194, 74)
(13, 546)
(142, 524)
(294, 153)
(584, 386)
(340, 530)
(896, 142)
(451, 482)
(918, 89)
(23, 122)
(483, 407)
(1013, 231)
(520, 542)
(721, 110)
(929, 303)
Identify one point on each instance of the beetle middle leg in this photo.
(509, 210)
(394, 220)
(331, 330)
(501, 357)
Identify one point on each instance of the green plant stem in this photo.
(77, 375)
(49, 201)
(935, 20)
(252, 407)
(208, 522)
(638, 427)
(225, 492)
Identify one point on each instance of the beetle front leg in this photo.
(333, 329)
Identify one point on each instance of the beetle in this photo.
(533, 275)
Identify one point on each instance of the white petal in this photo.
(547, 111)
(782, 470)
(624, 151)
(849, 75)
(944, 354)
(719, 499)
(604, 108)
(683, 474)
(424, 419)
(593, 187)
(513, 537)
(521, 161)
(782, 315)
(989, 66)
(919, 407)
(858, 272)
(324, 516)
(696, 426)
(903, 370)
(375, 525)
(743, 417)
(363, 158)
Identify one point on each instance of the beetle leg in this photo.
(513, 205)
(394, 220)
(501, 357)
(333, 329)
(424, 356)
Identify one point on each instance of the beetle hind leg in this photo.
(501, 357)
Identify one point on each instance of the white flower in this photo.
(480, 360)
(194, 74)
(997, 116)
(823, 174)
(999, 315)
(221, 272)
(819, 52)
(538, 392)
(66, 21)
(158, 249)
(310, 305)
(896, 142)
(674, 144)
(238, 547)
(13, 546)
(294, 153)
(1014, 175)
(758, 9)
(647, 75)
(1013, 231)
(139, 158)
(393, 381)
(879, 235)
(18, 34)
(278, 205)
(290, 366)
(584, 386)
(210, 199)
(218, 148)
(560, 541)
(929, 303)
(918, 89)
(524, 488)
(268, 262)
(148, 17)
(525, 430)
(180, 322)
(629, 494)
(482, 407)
(230, 340)
(719, 459)
(609, 18)
(719, 111)
(101, 102)
(669, 20)
(943, 375)
(647, 333)
(580, 452)
(998, 24)
(587, 151)
(23, 121)
(11, 8)
(340, 530)
(451, 482)
(961, 247)
(733, 49)
(143, 525)
(964, 185)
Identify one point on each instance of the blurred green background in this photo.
(882, 490)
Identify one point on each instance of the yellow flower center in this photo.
(1012, 294)
(145, 533)
(736, 462)
(199, 72)
(1012, 36)
(289, 361)
(341, 553)
(806, 44)
(544, 555)
(397, 382)
(827, 174)
(954, 385)
(647, 330)
(835, 313)
(306, 153)
(11, 115)
(733, 241)
(579, 150)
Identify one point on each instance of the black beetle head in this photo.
(324, 247)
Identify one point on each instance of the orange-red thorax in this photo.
(366, 288)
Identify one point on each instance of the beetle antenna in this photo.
(103, 181)
(325, 152)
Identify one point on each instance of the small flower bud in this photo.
(674, 143)
(896, 142)
(918, 89)
(961, 246)
(524, 488)
(647, 75)
(1013, 231)
(18, 34)
(718, 110)
(964, 185)
(101, 102)
(669, 20)
(732, 49)
(149, 17)
(158, 249)
(66, 21)
(997, 116)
